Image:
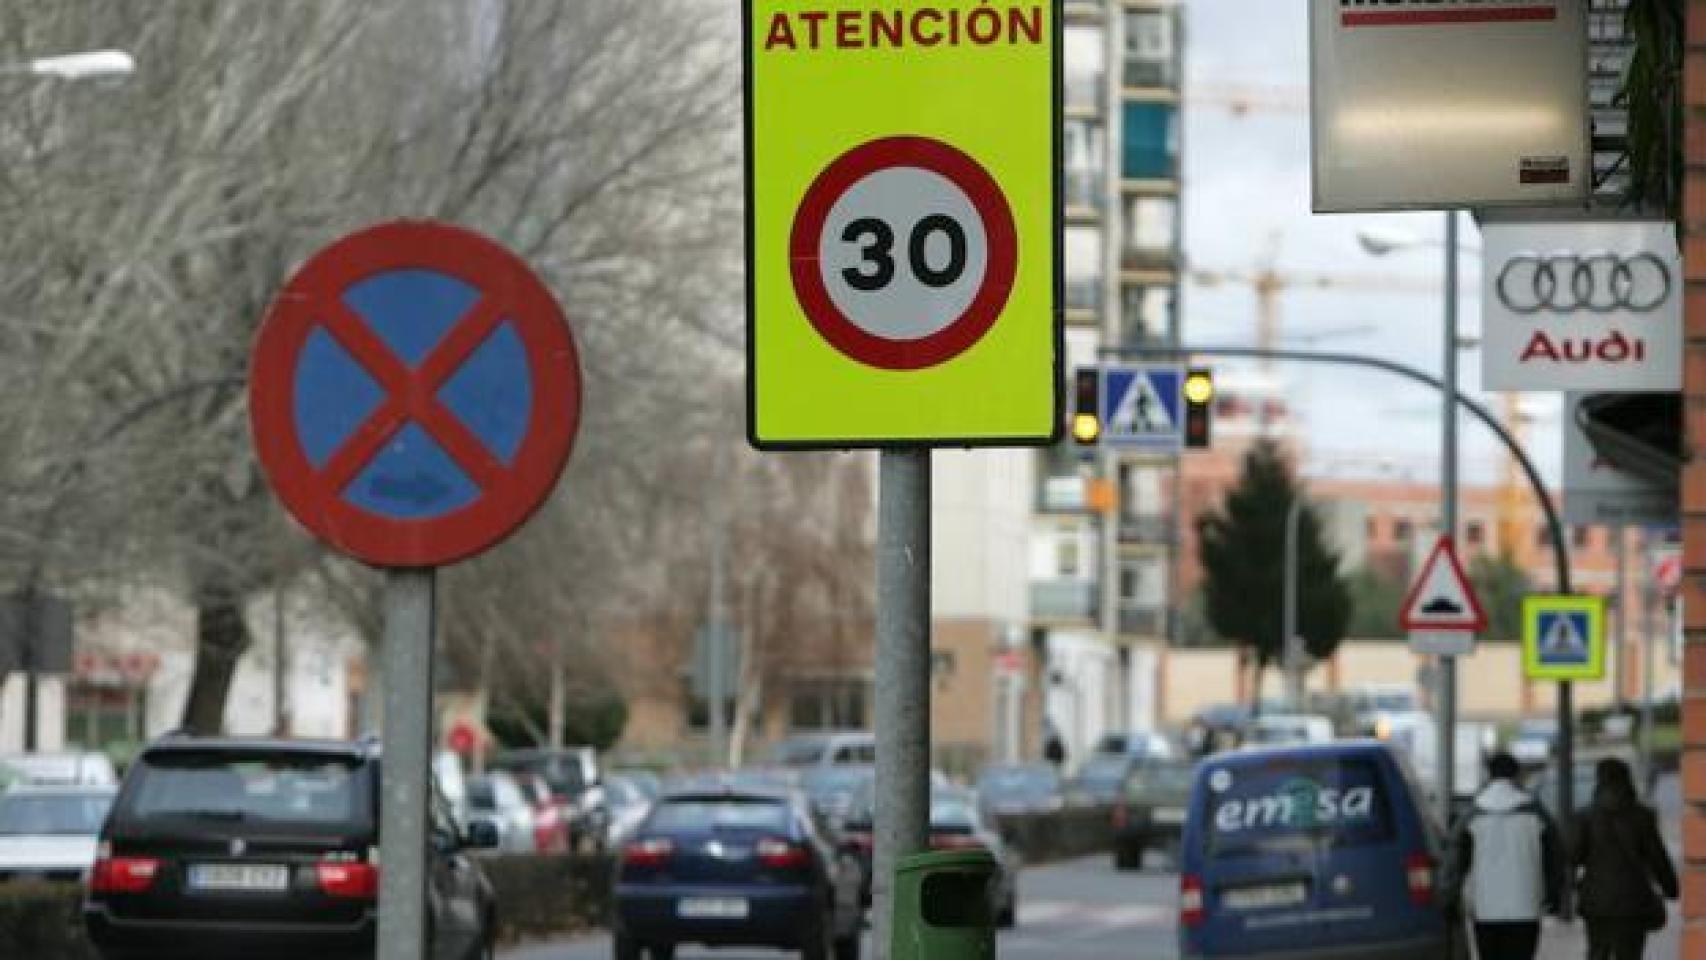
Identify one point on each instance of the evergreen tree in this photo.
(1243, 560)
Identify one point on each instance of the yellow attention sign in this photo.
(1563, 637)
(903, 239)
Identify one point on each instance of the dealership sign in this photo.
(1595, 492)
(1429, 104)
(1581, 306)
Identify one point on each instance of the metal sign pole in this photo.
(903, 674)
(1447, 706)
(405, 770)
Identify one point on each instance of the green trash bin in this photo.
(943, 908)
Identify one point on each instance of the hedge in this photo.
(43, 921)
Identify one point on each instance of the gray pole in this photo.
(903, 674)
(1447, 705)
(1620, 626)
(408, 660)
(1289, 638)
(31, 616)
(280, 684)
(1649, 620)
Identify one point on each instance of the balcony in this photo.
(1156, 528)
(1143, 620)
(1056, 600)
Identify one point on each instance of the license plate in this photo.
(712, 908)
(1170, 815)
(245, 877)
(1265, 897)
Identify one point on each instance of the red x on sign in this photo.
(415, 394)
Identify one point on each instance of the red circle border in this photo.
(553, 421)
(1000, 270)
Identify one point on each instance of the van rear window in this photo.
(1289, 804)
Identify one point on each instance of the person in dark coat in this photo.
(1619, 860)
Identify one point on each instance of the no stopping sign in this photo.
(903, 253)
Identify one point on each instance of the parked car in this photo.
(735, 868)
(267, 848)
(832, 791)
(66, 769)
(496, 799)
(1136, 743)
(1021, 789)
(550, 826)
(1535, 742)
(1102, 779)
(954, 825)
(49, 833)
(575, 780)
(628, 802)
(1367, 704)
(841, 748)
(1284, 729)
(1318, 851)
(1151, 814)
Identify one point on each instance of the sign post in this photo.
(414, 397)
(903, 256)
(1443, 615)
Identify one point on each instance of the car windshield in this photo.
(952, 814)
(1104, 770)
(1019, 782)
(563, 773)
(835, 781)
(1295, 804)
(803, 752)
(245, 787)
(67, 814)
(1537, 729)
(1166, 778)
(708, 815)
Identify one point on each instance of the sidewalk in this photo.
(1569, 941)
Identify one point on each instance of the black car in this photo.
(266, 848)
(735, 867)
(1151, 814)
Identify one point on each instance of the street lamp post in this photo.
(1291, 642)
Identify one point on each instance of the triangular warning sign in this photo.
(1142, 410)
(1563, 636)
(1441, 598)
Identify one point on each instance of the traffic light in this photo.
(1086, 406)
(1199, 407)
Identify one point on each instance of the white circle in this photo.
(905, 307)
(1220, 781)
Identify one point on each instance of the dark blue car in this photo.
(1324, 852)
(735, 867)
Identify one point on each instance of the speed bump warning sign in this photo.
(903, 241)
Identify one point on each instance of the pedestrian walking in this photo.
(1506, 865)
(1623, 871)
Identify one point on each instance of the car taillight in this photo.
(857, 841)
(112, 874)
(782, 855)
(653, 852)
(1121, 816)
(1190, 901)
(347, 881)
(955, 841)
(1419, 877)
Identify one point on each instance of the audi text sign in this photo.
(1437, 104)
(1581, 306)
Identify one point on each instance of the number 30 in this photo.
(876, 239)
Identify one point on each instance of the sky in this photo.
(1246, 181)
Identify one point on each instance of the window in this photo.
(1146, 314)
(1476, 533)
(1371, 528)
(1579, 538)
(829, 705)
(1148, 231)
(1402, 529)
(1086, 64)
(1149, 49)
(1085, 149)
(1083, 268)
(1151, 141)
(1543, 537)
(1067, 555)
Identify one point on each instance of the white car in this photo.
(87, 769)
(50, 833)
(1285, 729)
(497, 799)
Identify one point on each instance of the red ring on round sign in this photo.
(999, 274)
(518, 489)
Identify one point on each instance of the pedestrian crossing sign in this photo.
(1143, 406)
(1563, 637)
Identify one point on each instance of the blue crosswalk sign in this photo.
(1564, 638)
(1143, 407)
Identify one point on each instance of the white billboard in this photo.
(1581, 306)
(1436, 104)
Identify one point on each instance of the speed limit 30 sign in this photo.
(903, 223)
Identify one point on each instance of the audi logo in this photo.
(1584, 283)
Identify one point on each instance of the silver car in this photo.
(50, 833)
